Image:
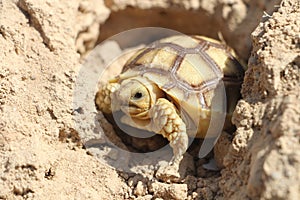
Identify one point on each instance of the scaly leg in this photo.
(103, 97)
(168, 123)
(164, 120)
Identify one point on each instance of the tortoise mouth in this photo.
(132, 108)
(135, 111)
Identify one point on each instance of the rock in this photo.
(221, 148)
(146, 197)
(140, 189)
(173, 173)
(265, 147)
(205, 193)
(169, 191)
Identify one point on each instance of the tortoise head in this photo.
(137, 96)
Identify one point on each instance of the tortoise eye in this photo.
(138, 95)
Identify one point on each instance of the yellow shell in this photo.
(188, 69)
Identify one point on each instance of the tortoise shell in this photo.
(188, 70)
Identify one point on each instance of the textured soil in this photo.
(47, 153)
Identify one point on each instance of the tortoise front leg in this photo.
(103, 97)
(169, 124)
(164, 120)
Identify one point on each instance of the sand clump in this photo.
(43, 154)
(266, 138)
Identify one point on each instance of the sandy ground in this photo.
(46, 155)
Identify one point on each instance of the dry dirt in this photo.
(45, 153)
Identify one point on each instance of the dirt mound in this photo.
(42, 47)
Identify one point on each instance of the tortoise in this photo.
(168, 88)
